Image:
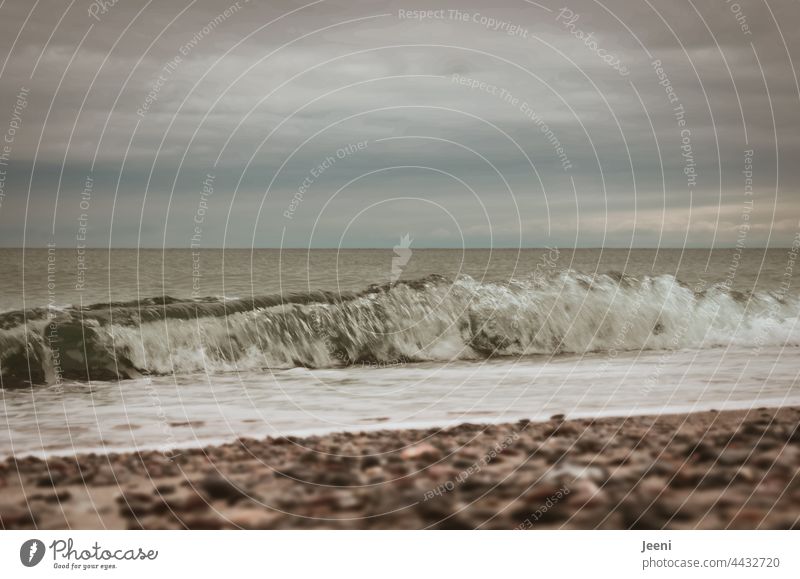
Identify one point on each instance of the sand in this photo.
(710, 470)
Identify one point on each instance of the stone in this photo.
(219, 487)
(13, 516)
(422, 450)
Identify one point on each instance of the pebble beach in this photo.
(704, 470)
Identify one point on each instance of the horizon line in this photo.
(385, 248)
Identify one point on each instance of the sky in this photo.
(331, 124)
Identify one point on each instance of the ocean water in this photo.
(121, 349)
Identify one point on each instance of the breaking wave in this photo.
(433, 318)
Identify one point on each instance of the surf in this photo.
(429, 319)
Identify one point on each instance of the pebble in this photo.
(423, 450)
(13, 516)
(219, 487)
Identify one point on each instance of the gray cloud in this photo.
(148, 99)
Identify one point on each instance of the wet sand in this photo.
(710, 470)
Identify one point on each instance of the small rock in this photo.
(186, 501)
(55, 497)
(541, 492)
(369, 462)
(733, 457)
(423, 450)
(14, 516)
(218, 487)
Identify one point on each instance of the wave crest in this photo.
(428, 319)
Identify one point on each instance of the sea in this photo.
(110, 350)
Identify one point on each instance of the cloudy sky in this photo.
(349, 124)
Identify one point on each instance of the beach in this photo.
(486, 394)
(703, 470)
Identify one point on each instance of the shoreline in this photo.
(195, 443)
(730, 469)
